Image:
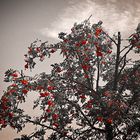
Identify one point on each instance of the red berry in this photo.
(52, 51)
(42, 57)
(50, 103)
(30, 50)
(65, 40)
(90, 101)
(89, 106)
(24, 91)
(4, 99)
(14, 74)
(39, 88)
(98, 32)
(99, 53)
(58, 69)
(48, 110)
(109, 120)
(2, 122)
(47, 93)
(24, 82)
(4, 107)
(55, 116)
(14, 85)
(82, 96)
(50, 88)
(103, 62)
(86, 76)
(109, 51)
(95, 43)
(11, 115)
(38, 49)
(55, 124)
(83, 42)
(26, 66)
(89, 36)
(107, 94)
(86, 59)
(44, 94)
(100, 119)
(138, 46)
(12, 91)
(85, 67)
(77, 44)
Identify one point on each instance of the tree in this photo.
(94, 93)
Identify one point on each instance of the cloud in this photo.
(114, 19)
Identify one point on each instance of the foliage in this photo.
(92, 94)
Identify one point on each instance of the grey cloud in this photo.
(117, 15)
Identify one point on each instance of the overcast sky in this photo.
(22, 21)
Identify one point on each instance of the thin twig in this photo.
(110, 38)
(126, 53)
(98, 74)
(124, 48)
(124, 64)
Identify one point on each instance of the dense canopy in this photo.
(94, 93)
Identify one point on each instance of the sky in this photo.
(23, 21)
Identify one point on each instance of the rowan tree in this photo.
(93, 94)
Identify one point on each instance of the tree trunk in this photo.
(109, 132)
(117, 62)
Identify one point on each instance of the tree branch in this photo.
(98, 74)
(117, 62)
(124, 64)
(79, 109)
(126, 53)
(48, 127)
(124, 48)
(110, 38)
